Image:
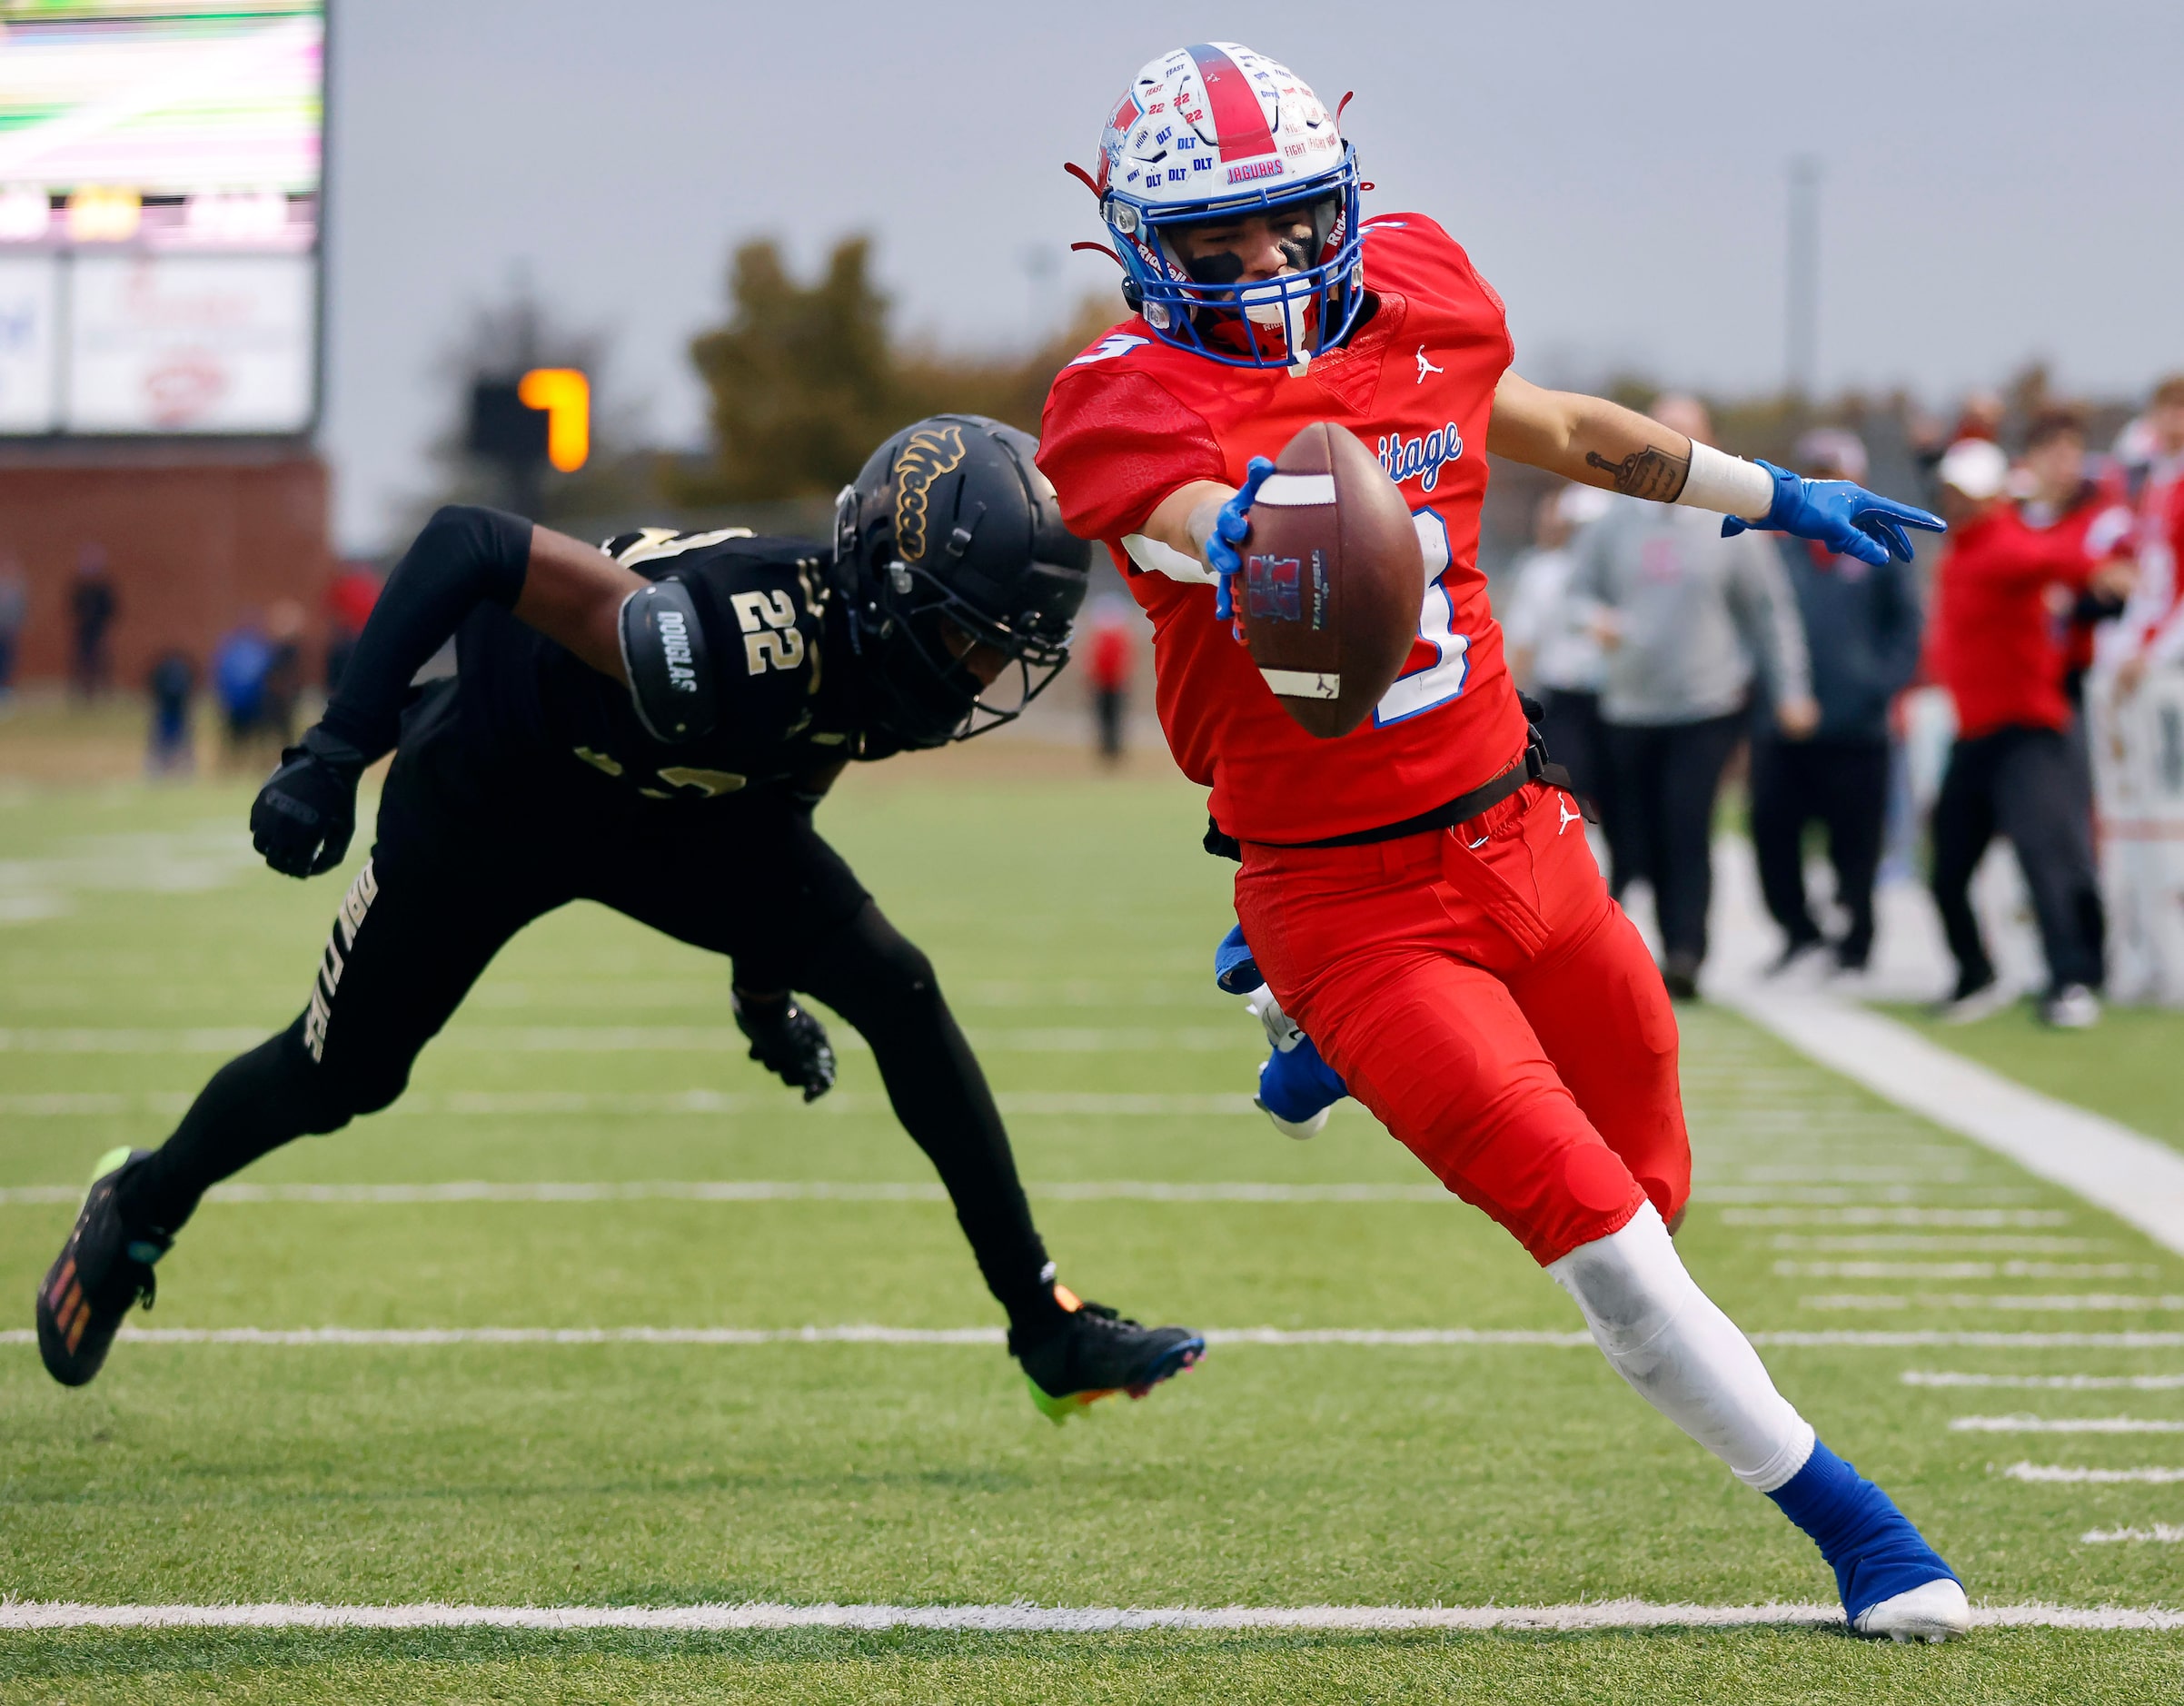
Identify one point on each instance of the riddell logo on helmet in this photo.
(929, 453)
(1252, 169)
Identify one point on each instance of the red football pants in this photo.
(1492, 1006)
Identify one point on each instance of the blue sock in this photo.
(1295, 1085)
(1875, 1552)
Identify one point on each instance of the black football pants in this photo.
(1660, 822)
(2020, 783)
(1843, 785)
(456, 873)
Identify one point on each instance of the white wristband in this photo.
(1727, 484)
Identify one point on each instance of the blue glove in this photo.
(1847, 519)
(1235, 972)
(1229, 528)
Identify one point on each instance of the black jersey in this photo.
(783, 679)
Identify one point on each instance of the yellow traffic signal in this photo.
(564, 395)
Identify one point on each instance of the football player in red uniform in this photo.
(1413, 892)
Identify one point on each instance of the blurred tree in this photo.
(802, 379)
(806, 379)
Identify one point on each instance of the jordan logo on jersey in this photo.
(1425, 367)
(1420, 458)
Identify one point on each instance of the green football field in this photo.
(586, 1160)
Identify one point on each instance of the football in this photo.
(1332, 578)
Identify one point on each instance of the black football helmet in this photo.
(949, 524)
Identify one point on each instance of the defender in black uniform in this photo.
(649, 726)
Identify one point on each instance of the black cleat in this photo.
(100, 1273)
(1098, 1353)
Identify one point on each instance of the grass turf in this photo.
(1073, 924)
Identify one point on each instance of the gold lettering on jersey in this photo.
(770, 640)
(710, 783)
(928, 454)
(356, 904)
(653, 542)
(598, 760)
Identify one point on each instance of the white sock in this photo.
(1683, 1354)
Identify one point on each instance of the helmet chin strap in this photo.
(1288, 312)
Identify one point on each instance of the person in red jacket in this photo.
(1995, 646)
(1108, 660)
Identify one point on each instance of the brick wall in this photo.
(193, 546)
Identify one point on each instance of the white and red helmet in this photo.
(1212, 131)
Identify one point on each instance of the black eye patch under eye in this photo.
(1222, 267)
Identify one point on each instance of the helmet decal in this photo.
(1008, 580)
(931, 450)
(1214, 131)
(1240, 129)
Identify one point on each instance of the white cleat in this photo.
(1933, 1610)
(1299, 1130)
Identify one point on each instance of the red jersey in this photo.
(2099, 519)
(1133, 419)
(1994, 643)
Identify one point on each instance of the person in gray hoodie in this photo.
(1861, 625)
(1687, 620)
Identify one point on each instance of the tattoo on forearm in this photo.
(1652, 472)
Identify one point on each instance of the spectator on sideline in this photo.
(1109, 660)
(1553, 650)
(172, 679)
(241, 663)
(1685, 618)
(1861, 632)
(283, 671)
(15, 611)
(1993, 646)
(2057, 496)
(2150, 631)
(350, 597)
(92, 607)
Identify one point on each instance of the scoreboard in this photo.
(160, 191)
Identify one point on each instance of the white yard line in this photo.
(1381, 1338)
(2129, 1174)
(1021, 1617)
(2160, 1533)
(2044, 1303)
(618, 1040)
(2047, 1382)
(761, 1191)
(1871, 1215)
(2062, 1424)
(2076, 1472)
(1020, 1104)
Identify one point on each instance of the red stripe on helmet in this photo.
(1240, 130)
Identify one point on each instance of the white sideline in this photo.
(2075, 1472)
(1277, 1337)
(2160, 1533)
(1021, 1617)
(2132, 1175)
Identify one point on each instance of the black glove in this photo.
(304, 814)
(787, 1042)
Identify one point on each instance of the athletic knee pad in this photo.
(1681, 1354)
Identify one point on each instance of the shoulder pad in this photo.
(663, 654)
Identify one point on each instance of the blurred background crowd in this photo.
(2020, 683)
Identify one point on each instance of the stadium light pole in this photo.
(1800, 339)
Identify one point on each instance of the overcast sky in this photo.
(2001, 179)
